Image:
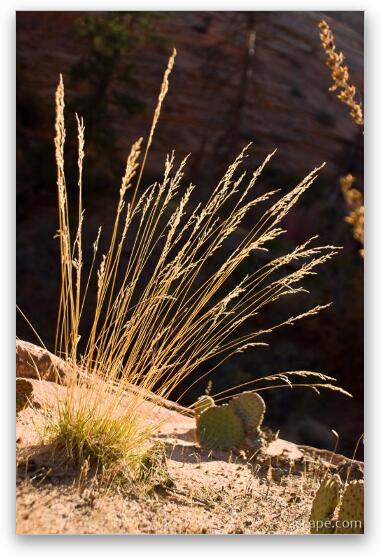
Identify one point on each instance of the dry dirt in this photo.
(211, 492)
(210, 497)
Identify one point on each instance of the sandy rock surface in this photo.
(211, 491)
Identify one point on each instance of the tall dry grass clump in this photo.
(172, 310)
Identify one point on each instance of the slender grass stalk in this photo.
(170, 305)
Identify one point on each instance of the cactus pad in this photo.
(202, 404)
(351, 509)
(219, 427)
(324, 505)
(251, 409)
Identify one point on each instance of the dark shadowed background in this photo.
(239, 77)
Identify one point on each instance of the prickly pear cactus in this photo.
(324, 505)
(350, 516)
(219, 427)
(202, 404)
(251, 409)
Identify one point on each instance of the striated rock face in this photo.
(239, 77)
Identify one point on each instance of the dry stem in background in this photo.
(354, 200)
(340, 74)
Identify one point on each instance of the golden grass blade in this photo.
(162, 95)
(171, 308)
